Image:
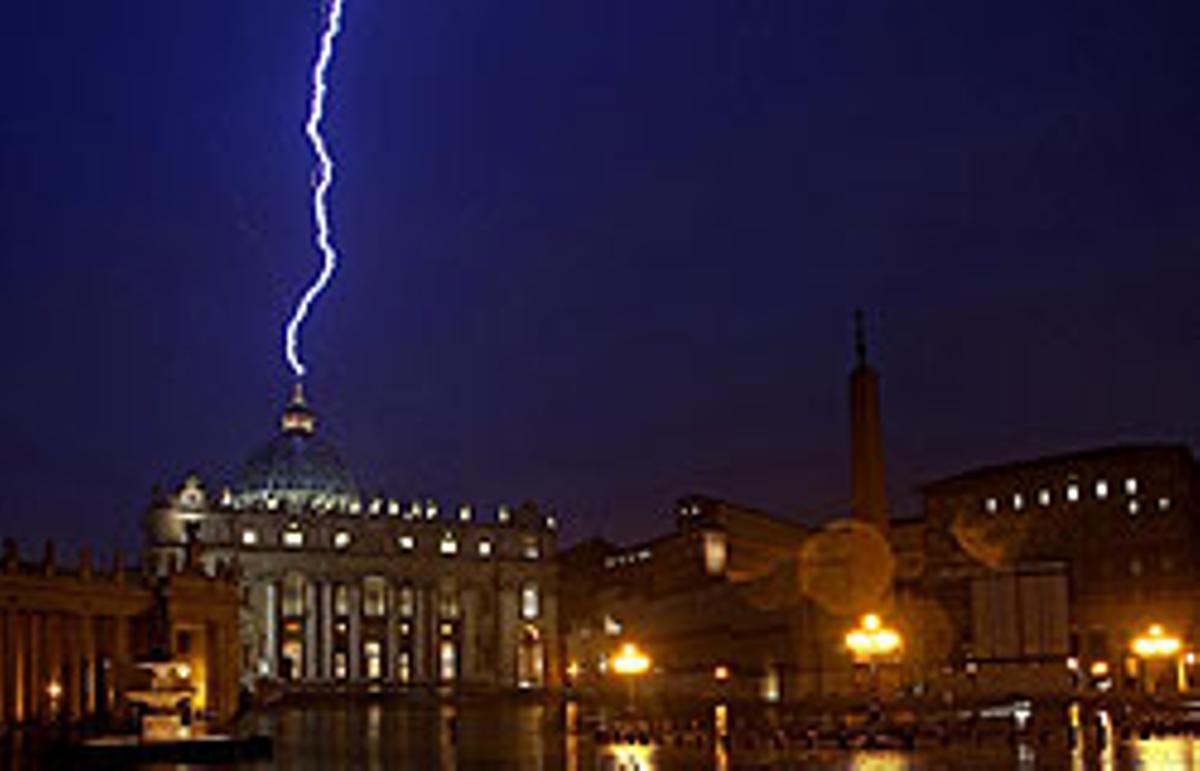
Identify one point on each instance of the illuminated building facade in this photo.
(344, 589)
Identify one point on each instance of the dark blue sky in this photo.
(595, 254)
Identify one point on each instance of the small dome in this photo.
(296, 469)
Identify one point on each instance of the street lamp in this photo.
(630, 663)
(871, 641)
(1157, 644)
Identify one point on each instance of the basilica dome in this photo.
(296, 469)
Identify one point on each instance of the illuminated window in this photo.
(340, 670)
(464, 513)
(1018, 502)
(373, 656)
(341, 600)
(431, 510)
(1131, 486)
(447, 661)
(530, 549)
(293, 595)
(1072, 492)
(293, 539)
(1101, 488)
(404, 667)
(355, 507)
(991, 505)
(612, 626)
(393, 508)
(551, 523)
(1133, 507)
(531, 601)
(376, 506)
(408, 602)
(1164, 504)
(1135, 567)
(374, 596)
(341, 539)
(406, 542)
(448, 546)
(249, 537)
(715, 553)
(485, 548)
(449, 607)
(771, 685)
(414, 510)
(503, 514)
(1044, 497)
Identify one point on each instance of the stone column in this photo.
(391, 619)
(420, 634)
(509, 624)
(355, 632)
(326, 630)
(87, 643)
(121, 659)
(37, 663)
(468, 621)
(310, 631)
(5, 674)
(73, 703)
(270, 627)
(20, 665)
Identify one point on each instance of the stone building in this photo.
(343, 588)
(1121, 524)
(71, 637)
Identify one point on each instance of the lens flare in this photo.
(324, 179)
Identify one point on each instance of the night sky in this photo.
(597, 254)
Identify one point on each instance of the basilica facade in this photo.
(342, 589)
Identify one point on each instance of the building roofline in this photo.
(1077, 456)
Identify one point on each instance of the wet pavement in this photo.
(392, 734)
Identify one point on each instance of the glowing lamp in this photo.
(630, 661)
(1156, 643)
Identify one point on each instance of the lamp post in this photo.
(1157, 644)
(630, 663)
(870, 642)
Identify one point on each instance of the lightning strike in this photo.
(324, 179)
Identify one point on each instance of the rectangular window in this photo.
(293, 539)
(340, 671)
(249, 537)
(448, 546)
(714, 553)
(447, 661)
(341, 600)
(404, 667)
(374, 596)
(1101, 489)
(485, 548)
(1072, 492)
(293, 596)
(408, 602)
(373, 656)
(449, 605)
(406, 542)
(1131, 486)
(531, 601)
(530, 549)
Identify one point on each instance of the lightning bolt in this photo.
(323, 237)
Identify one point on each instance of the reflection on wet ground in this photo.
(504, 735)
(358, 734)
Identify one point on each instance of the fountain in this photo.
(165, 707)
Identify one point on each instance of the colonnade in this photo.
(60, 665)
